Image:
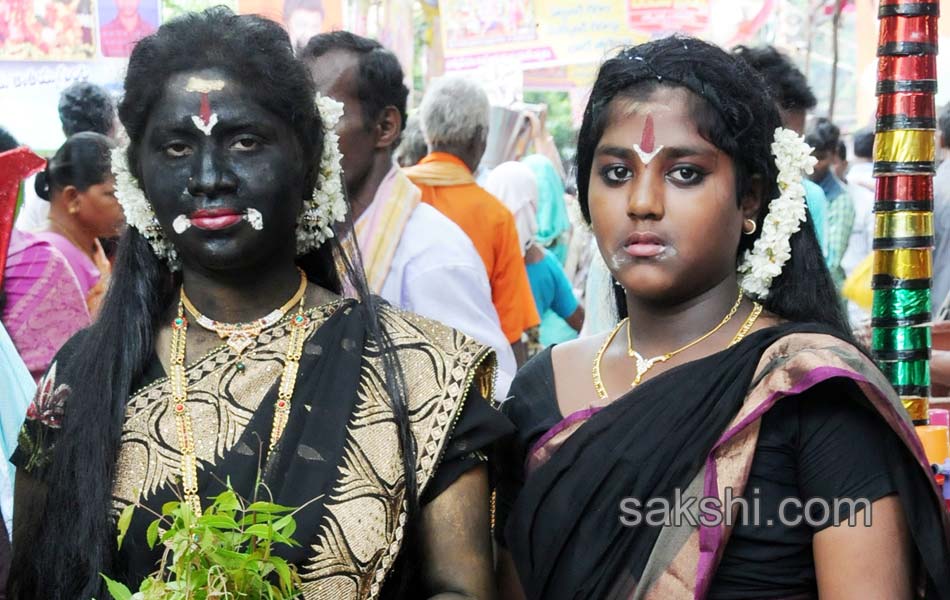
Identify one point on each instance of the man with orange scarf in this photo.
(454, 116)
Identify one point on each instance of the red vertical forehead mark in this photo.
(205, 110)
(648, 137)
(205, 120)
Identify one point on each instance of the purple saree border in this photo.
(574, 417)
(710, 537)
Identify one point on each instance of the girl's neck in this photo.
(660, 327)
(64, 224)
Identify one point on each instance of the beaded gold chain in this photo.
(179, 385)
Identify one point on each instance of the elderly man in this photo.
(414, 256)
(454, 115)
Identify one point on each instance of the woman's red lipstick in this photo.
(215, 218)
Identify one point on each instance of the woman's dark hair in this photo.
(76, 540)
(733, 114)
(82, 161)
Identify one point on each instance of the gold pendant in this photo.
(644, 365)
(241, 340)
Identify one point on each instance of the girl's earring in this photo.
(749, 227)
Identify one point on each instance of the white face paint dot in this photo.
(180, 224)
(255, 219)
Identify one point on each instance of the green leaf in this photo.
(151, 534)
(259, 531)
(283, 572)
(218, 522)
(124, 520)
(117, 590)
(227, 501)
(169, 508)
(268, 507)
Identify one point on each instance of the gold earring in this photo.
(73, 210)
(749, 227)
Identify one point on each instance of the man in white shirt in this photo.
(861, 190)
(414, 256)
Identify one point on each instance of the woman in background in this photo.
(80, 188)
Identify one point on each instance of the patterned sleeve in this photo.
(44, 418)
(838, 229)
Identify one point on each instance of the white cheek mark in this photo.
(205, 127)
(618, 260)
(646, 157)
(253, 216)
(180, 224)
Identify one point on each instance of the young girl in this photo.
(733, 375)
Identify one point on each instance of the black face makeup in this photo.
(663, 200)
(224, 175)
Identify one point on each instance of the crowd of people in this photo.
(258, 268)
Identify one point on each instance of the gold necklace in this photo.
(601, 389)
(240, 336)
(645, 364)
(747, 325)
(179, 399)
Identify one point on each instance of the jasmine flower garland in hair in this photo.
(328, 204)
(314, 226)
(765, 261)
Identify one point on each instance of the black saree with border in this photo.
(691, 429)
(339, 455)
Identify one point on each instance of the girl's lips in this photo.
(644, 245)
(644, 250)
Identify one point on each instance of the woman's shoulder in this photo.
(532, 400)
(805, 341)
(407, 328)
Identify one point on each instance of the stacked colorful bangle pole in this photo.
(904, 153)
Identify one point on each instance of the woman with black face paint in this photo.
(733, 379)
(225, 350)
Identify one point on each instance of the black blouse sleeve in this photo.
(479, 426)
(841, 449)
(532, 408)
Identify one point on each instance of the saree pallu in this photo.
(339, 456)
(693, 429)
(45, 304)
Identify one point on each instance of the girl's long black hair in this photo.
(76, 540)
(734, 113)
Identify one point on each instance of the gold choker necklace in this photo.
(240, 336)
